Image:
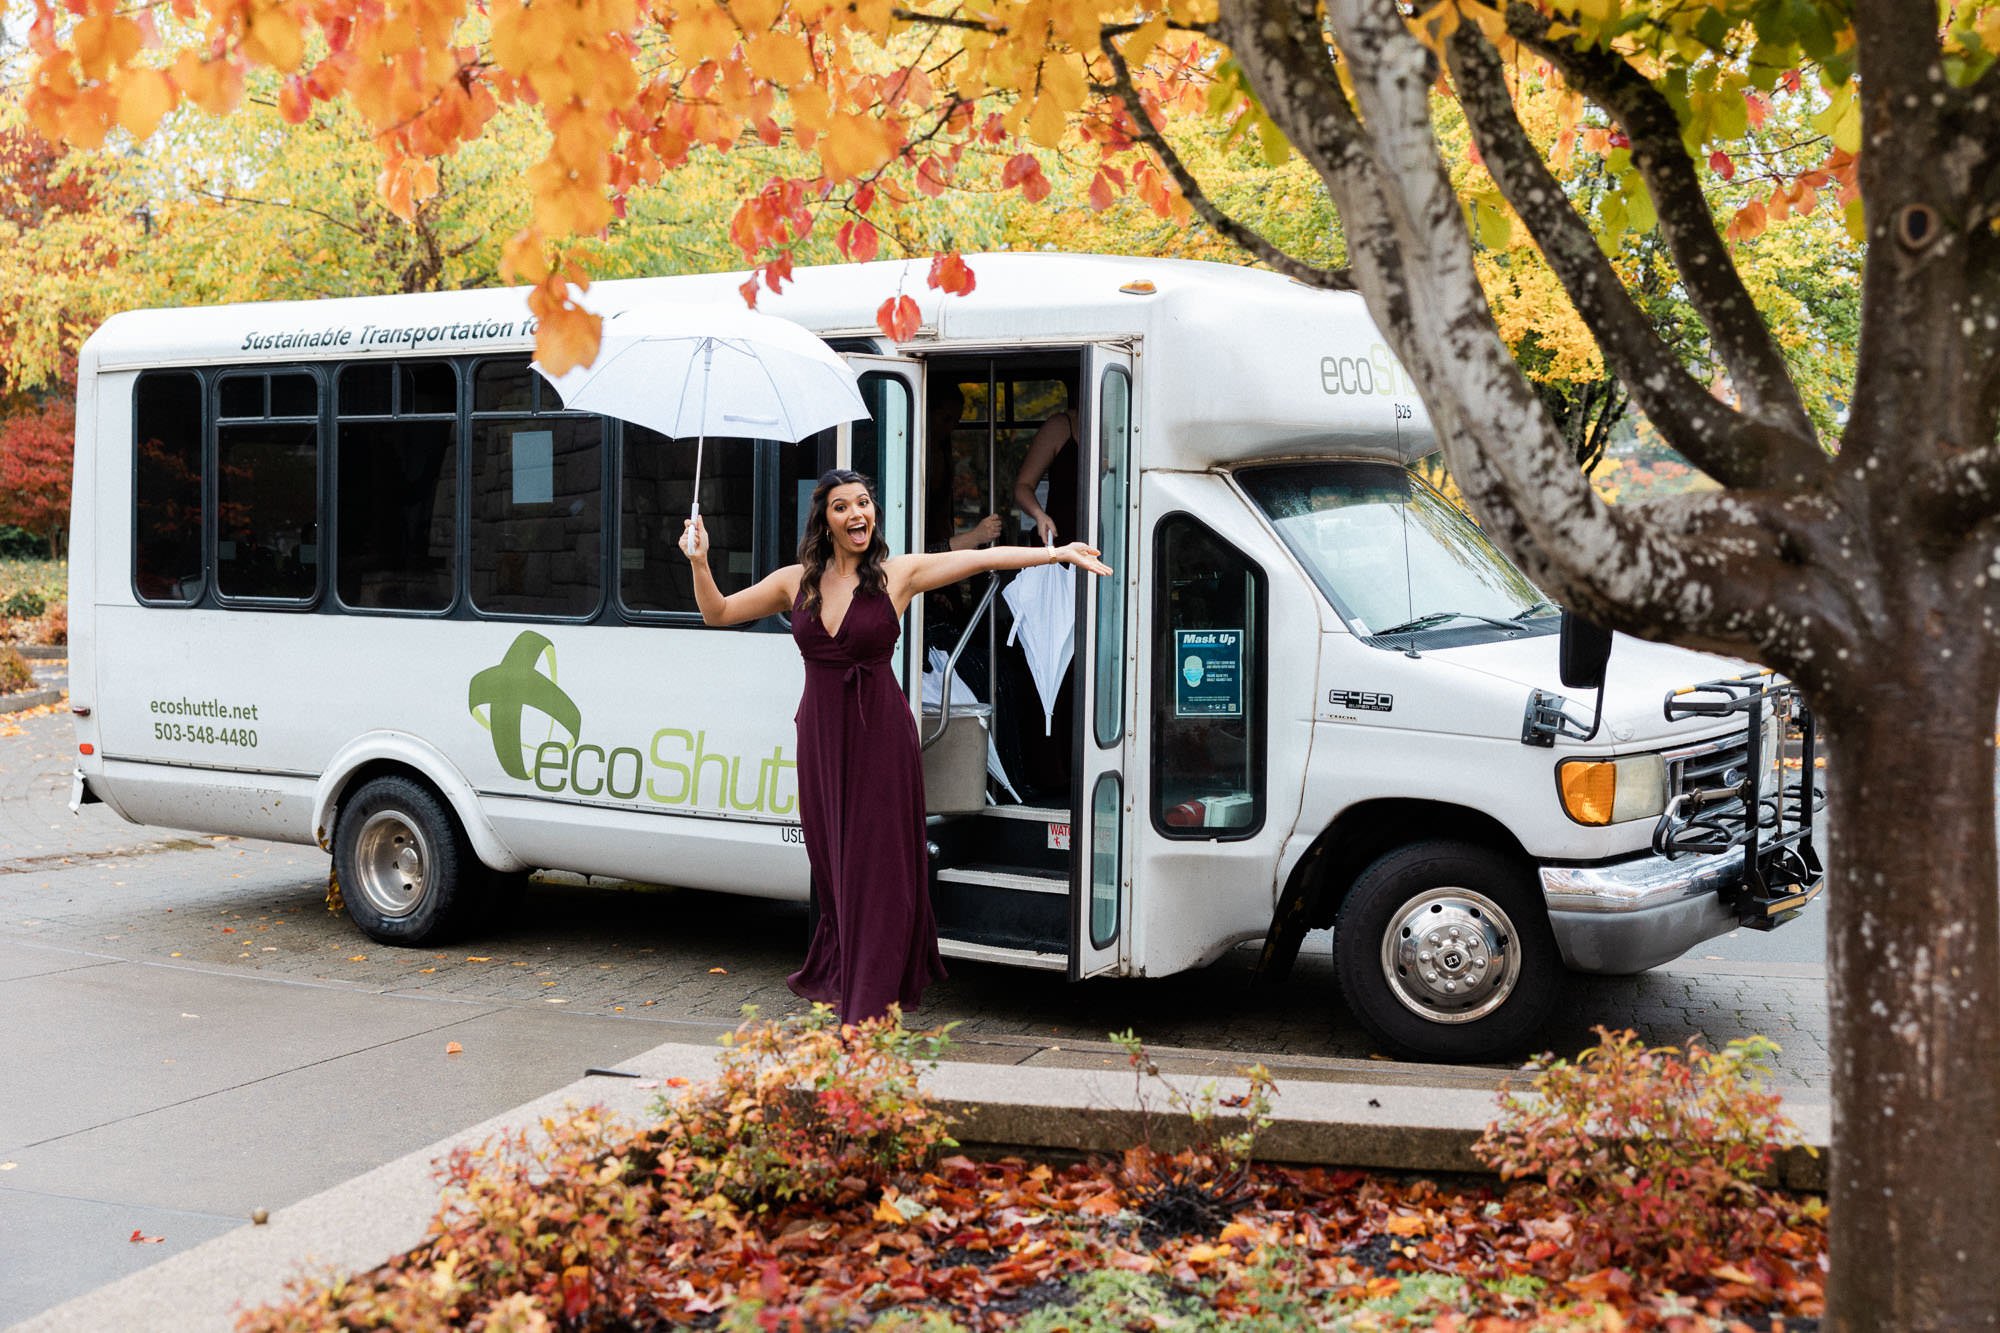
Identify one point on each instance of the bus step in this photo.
(1007, 835)
(1003, 907)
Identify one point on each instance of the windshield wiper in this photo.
(1436, 618)
(1530, 612)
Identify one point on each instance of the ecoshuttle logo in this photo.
(509, 690)
(675, 767)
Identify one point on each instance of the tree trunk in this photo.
(1913, 929)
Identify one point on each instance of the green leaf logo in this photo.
(508, 690)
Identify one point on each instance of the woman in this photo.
(861, 789)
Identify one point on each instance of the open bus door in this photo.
(887, 447)
(1100, 878)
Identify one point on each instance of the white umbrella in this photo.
(1043, 600)
(712, 370)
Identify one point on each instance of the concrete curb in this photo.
(26, 699)
(43, 652)
(1070, 1100)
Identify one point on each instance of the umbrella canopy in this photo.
(695, 371)
(1043, 600)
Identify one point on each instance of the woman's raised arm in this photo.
(769, 596)
(916, 574)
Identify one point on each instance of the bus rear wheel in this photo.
(404, 863)
(1444, 952)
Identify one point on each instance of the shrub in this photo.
(1201, 1185)
(14, 673)
(20, 544)
(527, 1229)
(23, 604)
(806, 1108)
(1664, 1158)
(52, 630)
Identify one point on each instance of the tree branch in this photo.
(1956, 492)
(1732, 448)
(1715, 287)
(1247, 238)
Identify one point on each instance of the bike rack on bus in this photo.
(1781, 869)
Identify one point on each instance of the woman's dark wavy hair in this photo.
(816, 547)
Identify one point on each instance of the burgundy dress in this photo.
(861, 802)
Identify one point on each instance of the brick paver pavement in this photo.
(690, 961)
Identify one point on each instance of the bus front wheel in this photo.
(1444, 952)
(404, 863)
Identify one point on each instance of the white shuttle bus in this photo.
(346, 572)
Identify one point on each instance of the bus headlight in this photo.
(1611, 791)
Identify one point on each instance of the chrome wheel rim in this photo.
(392, 862)
(1449, 956)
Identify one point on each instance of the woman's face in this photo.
(850, 514)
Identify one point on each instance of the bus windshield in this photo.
(1393, 556)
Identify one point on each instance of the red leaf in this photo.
(864, 199)
(858, 240)
(139, 1237)
(1722, 164)
(749, 290)
(294, 102)
(949, 273)
(575, 1291)
(899, 318)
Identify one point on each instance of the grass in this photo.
(50, 578)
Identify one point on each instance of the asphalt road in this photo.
(92, 883)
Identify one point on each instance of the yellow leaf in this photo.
(887, 1212)
(144, 97)
(1138, 47)
(271, 37)
(780, 58)
(1046, 122)
(1207, 1254)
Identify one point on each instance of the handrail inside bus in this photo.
(951, 665)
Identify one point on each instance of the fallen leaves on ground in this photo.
(989, 1242)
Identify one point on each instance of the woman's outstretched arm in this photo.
(769, 596)
(921, 573)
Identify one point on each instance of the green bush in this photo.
(23, 604)
(21, 544)
(1664, 1158)
(806, 1108)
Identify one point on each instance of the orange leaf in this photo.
(453, 1048)
(950, 273)
(144, 97)
(857, 240)
(899, 318)
(1406, 1226)
(566, 338)
(294, 102)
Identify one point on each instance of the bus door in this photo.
(1100, 876)
(887, 447)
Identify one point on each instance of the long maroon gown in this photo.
(861, 803)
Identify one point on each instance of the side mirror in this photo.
(1585, 649)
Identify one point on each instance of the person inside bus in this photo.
(941, 532)
(1045, 491)
(860, 775)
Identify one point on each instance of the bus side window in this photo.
(655, 476)
(267, 486)
(537, 498)
(1208, 685)
(396, 485)
(166, 487)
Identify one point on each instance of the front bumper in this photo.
(1627, 916)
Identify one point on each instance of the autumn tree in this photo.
(35, 450)
(1858, 551)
